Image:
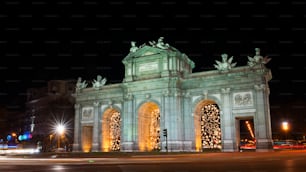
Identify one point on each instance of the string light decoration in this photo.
(250, 129)
(155, 130)
(210, 127)
(115, 123)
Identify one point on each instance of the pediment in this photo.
(148, 53)
(144, 51)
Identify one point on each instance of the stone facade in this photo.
(160, 92)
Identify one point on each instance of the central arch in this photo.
(207, 125)
(149, 127)
(111, 124)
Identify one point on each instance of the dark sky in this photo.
(63, 39)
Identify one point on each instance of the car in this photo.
(288, 144)
(247, 145)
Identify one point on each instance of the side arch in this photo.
(207, 125)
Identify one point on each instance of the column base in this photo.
(264, 145)
(95, 147)
(76, 147)
(127, 147)
(228, 146)
(177, 146)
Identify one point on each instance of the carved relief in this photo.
(87, 113)
(243, 99)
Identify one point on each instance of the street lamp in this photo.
(285, 126)
(50, 137)
(60, 130)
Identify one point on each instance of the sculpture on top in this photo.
(80, 84)
(257, 59)
(97, 84)
(226, 63)
(133, 48)
(159, 44)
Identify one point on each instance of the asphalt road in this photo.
(280, 161)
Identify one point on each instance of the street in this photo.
(278, 161)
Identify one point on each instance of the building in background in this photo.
(5, 122)
(48, 107)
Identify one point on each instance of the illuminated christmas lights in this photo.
(155, 130)
(210, 127)
(115, 123)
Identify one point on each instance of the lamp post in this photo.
(60, 130)
(285, 126)
(50, 137)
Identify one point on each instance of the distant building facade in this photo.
(47, 107)
(161, 104)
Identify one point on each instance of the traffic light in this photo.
(165, 133)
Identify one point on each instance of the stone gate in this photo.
(159, 92)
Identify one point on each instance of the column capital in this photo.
(128, 96)
(76, 106)
(260, 87)
(166, 93)
(96, 103)
(186, 94)
(205, 94)
(148, 96)
(177, 94)
(225, 90)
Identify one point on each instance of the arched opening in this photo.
(207, 126)
(111, 125)
(149, 127)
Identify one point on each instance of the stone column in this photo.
(77, 129)
(127, 144)
(227, 124)
(96, 127)
(173, 122)
(188, 122)
(164, 118)
(262, 120)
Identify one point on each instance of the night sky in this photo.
(43, 40)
